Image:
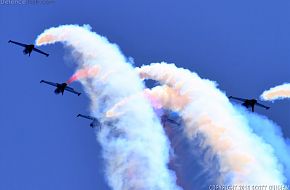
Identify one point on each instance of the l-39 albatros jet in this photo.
(95, 122)
(28, 48)
(249, 103)
(60, 88)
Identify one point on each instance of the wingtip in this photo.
(79, 94)
(41, 81)
(78, 115)
(9, 41)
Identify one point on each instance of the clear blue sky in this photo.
(243, 45)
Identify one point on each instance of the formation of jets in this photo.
(61, 87)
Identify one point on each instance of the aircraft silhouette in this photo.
(28, 48)
(60, 88)
(95, 122)
(249, 103)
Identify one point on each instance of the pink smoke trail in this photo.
(277, 92)
(87, 72)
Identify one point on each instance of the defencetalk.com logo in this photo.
(26, 2)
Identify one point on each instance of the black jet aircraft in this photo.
(95, 122)
(28, 48)
(60, 88)
(249, 103)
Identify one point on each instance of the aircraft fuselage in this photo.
(250, 103)
(60, 88)
(28, 49)
(95, 123)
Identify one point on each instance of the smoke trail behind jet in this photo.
(272, 134)
(165, 97)
(244, 157)
(84, 73)
(159, 97)
(276, 93)
(135, 148)
(194, 167)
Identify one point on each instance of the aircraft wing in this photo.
(39, 51)
(17, 43)
(236, 98)
(50, 83)
(72, 90)
(69, 87)
(87, 117)
(261, 105)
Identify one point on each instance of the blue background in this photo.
(243, 45)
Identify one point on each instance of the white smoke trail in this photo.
(244, 157)
(135, 148)
(159, 97)
(166, 97)
(277, 92)
(272, 134)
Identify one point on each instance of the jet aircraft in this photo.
(249, 103)
(28, 48)
(95, 122)
(60, 88)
